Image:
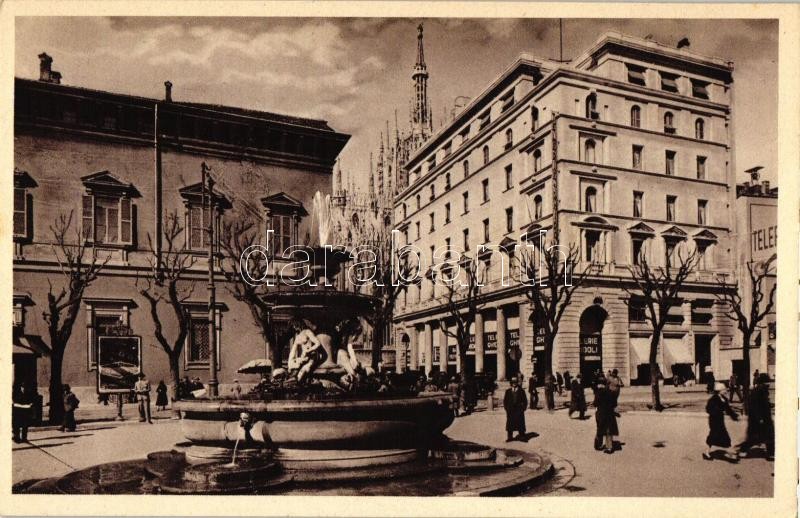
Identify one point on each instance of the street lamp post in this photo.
(213, 382)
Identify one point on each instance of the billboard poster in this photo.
(119, 361)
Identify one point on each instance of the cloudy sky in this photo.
(356, 72)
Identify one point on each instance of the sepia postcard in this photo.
(275, 258)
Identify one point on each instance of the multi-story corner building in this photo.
(757, 224)
(628, 147)
(98, 156)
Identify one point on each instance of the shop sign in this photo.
(591, 347)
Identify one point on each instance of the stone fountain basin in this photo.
(353, 424)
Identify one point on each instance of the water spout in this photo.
(322, 214)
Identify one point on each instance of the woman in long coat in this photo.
(515, 402)
(605, 417)
(161, 396)
(716, 408)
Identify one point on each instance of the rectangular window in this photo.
(283, 228)
(448, 148)
(701, 168)
(417, 225)
(107, 220)
(485, 119)
(671, 200)
(699, 89)
(637, 157)
(432, 162)
(638, 200)
(433, 192)
(20, 212)
(486, 230)
(465, 196)
(87, 218)
(669, 163)
(466, 239)
(433, 226)
(637, 245)
(701, 212)
(669, 82)
(636, 75)
(447, 213)
(670, 246)
(485, 189)
(199, 343)
(197, 227)
(508, 101)
(464, 135)
(510, 219)
(509, 177)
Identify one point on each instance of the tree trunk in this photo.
(548, 355)
(377, 343)
(56, 413)
(746, 337)
(655, 372)
(175, 375)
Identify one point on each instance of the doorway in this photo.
(702, 357)
(591, 340)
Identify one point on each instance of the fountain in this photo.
(317, 429)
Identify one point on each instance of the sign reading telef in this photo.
(763, 231)
(119, 361)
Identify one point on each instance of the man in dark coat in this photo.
(605, 417)
(734, 388)
(70, 405)
(760, 428)
(22, 399)
(549, 391)
(559, 382)
(470, 394)
(567, 380)
(577, 399)
(716, 408)
(515, 402)
(533, 391)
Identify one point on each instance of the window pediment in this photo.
(193, 195)
(641, 229)
(105, 183)
(596, 223)
(22, 180)
(284, 204)
(673, 233)
(705, 236)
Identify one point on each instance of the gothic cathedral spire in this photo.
(421, 112)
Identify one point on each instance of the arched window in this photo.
(405, 211)
(537, 207)
(699, 129)
(447, 181)
(485, 155)
(636, 117)
(466, 168)
(419, 204)
(590, 200)
(589, 152)
(668, 123)
(591, 107)
(534, 118)
(537, 160)
(509, 139)
(355, 220)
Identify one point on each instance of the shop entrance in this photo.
(702, 357)
(591, 340)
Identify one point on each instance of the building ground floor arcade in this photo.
(598, 331)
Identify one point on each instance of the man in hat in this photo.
(515, 402)
(71, 403)
(142, 390)
(760, 428)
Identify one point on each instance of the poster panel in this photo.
(119, 361)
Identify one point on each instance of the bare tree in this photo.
(551, 278)
(238, 235)
(63, 304)
(748, 319)
(167, 282)
(658, 288)
(462, 303)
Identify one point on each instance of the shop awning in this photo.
(677, 350)
(640, 350)
(30, 344)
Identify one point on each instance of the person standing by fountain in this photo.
(71, 403)
(161, 396)
(515, 402)
(142, 391)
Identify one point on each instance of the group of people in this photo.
(760, 427)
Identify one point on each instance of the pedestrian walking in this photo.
(454, 387)
(760, 427)
(710, 381)
(71, 403)
(142, 390)
(615, 385)
(577, 398)
(161, 396)
(734, 388)
(22, 400)
(756, 375)
(549, 391)
(470, 391)
(559, 382)
(533, 391)
(567, 380)
(605, 418)
(716, 408)
(515, 403)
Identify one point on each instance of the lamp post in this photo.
(213, 382)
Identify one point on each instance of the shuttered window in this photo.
(20, 213)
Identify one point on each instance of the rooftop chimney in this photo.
(55, 77)
(45, 62)
(168, 91)
(766, 186)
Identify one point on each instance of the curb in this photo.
(126, 422)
